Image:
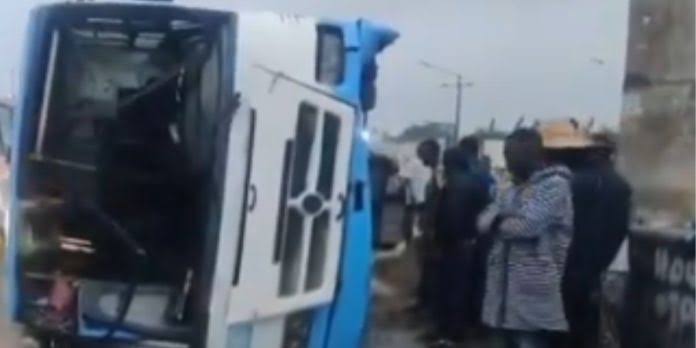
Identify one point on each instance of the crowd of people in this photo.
(519, 262)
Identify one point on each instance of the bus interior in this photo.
(122, 175)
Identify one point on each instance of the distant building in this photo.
(402, 148)
(492, 142)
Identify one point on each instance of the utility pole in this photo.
(459, 84)
(458, 108)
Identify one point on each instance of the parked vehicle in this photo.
(191, 177)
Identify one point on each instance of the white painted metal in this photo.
(285, 44)
(232, 210)
(254, 313)
(312, 179)
(277, 101)
(281, 43)
(267, 333)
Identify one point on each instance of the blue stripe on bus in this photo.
(343, 323)
(27, 109)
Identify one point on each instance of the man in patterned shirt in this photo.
(531, 225)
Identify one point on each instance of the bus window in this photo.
(330, 56)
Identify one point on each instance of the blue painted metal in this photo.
(340, 324)
(36, 52)
(344, 322)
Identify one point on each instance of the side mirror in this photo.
(5, 130)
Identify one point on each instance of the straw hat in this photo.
(564, 135)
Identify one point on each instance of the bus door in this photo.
(281, 255)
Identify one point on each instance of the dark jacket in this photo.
(460, 202)
(601, 198)
(458, 205)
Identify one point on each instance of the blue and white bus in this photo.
(192, 177)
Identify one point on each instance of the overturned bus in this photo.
(191, 177)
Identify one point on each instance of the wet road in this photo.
(394, 284)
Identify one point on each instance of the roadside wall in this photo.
(657, 124)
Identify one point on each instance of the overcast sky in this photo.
(541, 58)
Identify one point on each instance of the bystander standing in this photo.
(531, 223)
(461, 200)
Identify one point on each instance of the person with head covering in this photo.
(531, 224)
(601, 199)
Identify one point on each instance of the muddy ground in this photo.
(394, 285)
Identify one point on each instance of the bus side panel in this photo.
(356, 256)
(28, 107)
(344, 323)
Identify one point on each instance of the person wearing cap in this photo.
(601, 199)
(531, 227)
